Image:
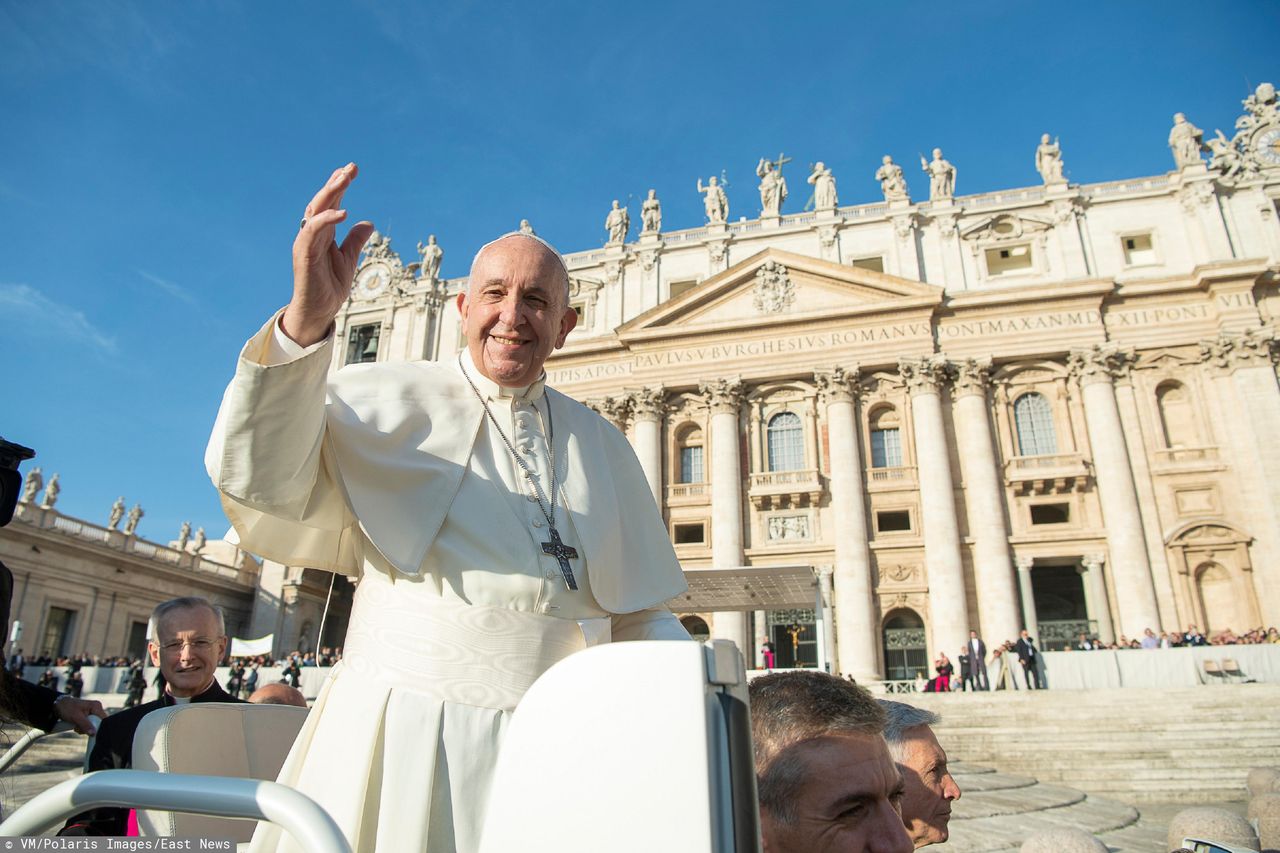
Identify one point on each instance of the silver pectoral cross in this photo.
(563, 554)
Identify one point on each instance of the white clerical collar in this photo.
(493, 390)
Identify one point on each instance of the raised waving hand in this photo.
(323, 270)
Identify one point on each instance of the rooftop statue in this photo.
(35, 482)
(1049, 160)
(1186, 141)
(131, 525)
(892, 182)
(714, 200)
(432, 255)
(51, 493)
(617, 223)
(773, 187)
(651, 214)
(942, 177)
(117, 513)
(824, 187)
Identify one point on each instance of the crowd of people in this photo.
(1023, 658)
(1176, 639)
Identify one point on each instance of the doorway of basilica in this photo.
(1061, 610)
(906, 653)
(794, 637)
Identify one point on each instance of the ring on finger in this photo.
(302, 224)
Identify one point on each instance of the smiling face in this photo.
(187, 648)
(515, 310)
(846, 801)
(928, 787)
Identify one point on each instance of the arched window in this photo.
(905, 654)
(690, 451)
(1034, 419)
(696, 626)
(786, 442)
(1177, 418)
(886, 443)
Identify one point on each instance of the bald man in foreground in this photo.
(826, 781)
(482, 511)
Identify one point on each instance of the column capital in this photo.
(924, 375)
(972, 376)
(837, 385)
(1099, 363)
(722, 395)
(648, 404)
(616, 410)
(1093, 562)
(1255, 348)
(1024, 563)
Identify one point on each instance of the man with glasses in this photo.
(189, 639)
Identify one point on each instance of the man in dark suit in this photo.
(977, 668)
(966, 674)
(189, 640)
(1029, 657)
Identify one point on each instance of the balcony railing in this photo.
(1185, 457)
(1049, 473)
(687, 493)
(770, 489)
(898, 474)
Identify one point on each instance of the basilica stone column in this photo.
(723, 397)
(984, 494)
(1095, 596)
(1135, 591)
(822, 601)
(647, 406)
(1250, 414)
(857, 618)
(949, 618)
(1029, 620)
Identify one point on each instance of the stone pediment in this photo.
(1005, 226)
(774, 286)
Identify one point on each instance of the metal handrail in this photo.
(218, 796)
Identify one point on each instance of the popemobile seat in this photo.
(636, 746)
(213, 739)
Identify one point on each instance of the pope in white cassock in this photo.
(495, 526)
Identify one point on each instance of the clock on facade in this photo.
(373, 280)
(1266, 145)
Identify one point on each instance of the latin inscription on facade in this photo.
(1158, 316)
(958, 329)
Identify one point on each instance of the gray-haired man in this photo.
(928, 787)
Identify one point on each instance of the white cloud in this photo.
(25, 303)
(169, 287)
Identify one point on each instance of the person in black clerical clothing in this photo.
(189, 642)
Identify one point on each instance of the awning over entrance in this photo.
(747, 588)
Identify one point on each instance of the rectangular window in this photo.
(1050, 513)
(57, 631)
(691, 464)
(679, 288)
(893, 521)
(690, 534)
(886, 449)
(875, 263)
(1138, 250)
(1009, 259)
(137, 645)
(362, 343)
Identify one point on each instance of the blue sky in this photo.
(157, 156)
